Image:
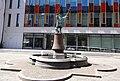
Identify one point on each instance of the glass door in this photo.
(38, 43)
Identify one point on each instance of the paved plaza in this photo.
(21, 56)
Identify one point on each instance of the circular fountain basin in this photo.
(59, 62)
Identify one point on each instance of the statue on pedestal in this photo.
(60, 21)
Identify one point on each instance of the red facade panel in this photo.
(116, 25)
(57, 8)
(79, 7)
(91, 7)
(79, 25)
(35, 25)
(91, 25)
(25, 25)
(36, 9)
(115, 6)
(103, 7)
(47, 8)
(67, 25)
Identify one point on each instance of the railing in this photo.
(87, 48)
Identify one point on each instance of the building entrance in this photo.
(38, 43)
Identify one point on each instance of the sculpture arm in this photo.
(66, 14)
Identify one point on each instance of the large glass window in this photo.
(63, 6)
(73, 20)
(117, 41)
(36, 20)
(52, 20)
(85, 6)
(88, 13)
(95, 41)
(71, 40)
(109, 19)
(84, 19)
(97, 6)
(41, 20)
(109, 13)
(18, 4)
(107, 41)
(52, 6)
(9, 20)
(18, 20)
(37, 2)
(85, 13)
(10, 5)
(42, 2)
(109, 5)
(31, 20)
(73, 6)
(96, 20)
(28, 41)
(46, 21)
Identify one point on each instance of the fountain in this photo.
(58, 59)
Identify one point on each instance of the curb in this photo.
(24, 78)
(107, 70)
(11, 69)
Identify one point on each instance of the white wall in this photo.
(2, 7)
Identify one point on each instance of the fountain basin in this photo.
(59, 63)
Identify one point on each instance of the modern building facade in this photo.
(90, 25)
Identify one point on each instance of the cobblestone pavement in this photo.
(113, 60)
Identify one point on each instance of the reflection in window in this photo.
(95, 41)
(51, 20)
(31, 20)
(63, 6)
(109, 19)
(109, 5)
(26, 20)
(79, 19)
(73, 6)
(96, 19)
(117, 41)
(116, 17)
(46, 21)
(84, 6)
(41, 20)
(84, 19)
(73, 21)
(52, 6)
(32, 2)
(36, 20)
(107, 41)
(96, 6)
(42, 2)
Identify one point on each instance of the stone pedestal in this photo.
(58, 45)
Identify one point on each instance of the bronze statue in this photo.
(60, 21)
